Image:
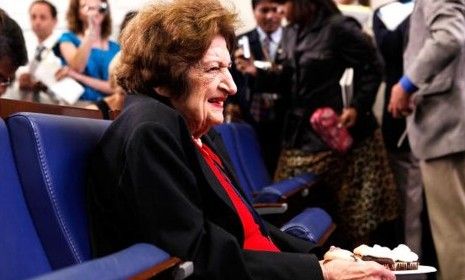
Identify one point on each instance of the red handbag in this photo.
(325, 123)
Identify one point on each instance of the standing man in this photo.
(43, 17)
(433, 92)
(391, 39)
(266, 108)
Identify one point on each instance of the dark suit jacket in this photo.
(255, 44)
(391, 45)
(313, 59)
(270, 128)
(257, 53)
(148, 183)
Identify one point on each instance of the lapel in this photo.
(211, 178)
(213, 140)
(215, 143)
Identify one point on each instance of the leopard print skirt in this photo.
(360, 182)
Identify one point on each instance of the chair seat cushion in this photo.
(310, 225)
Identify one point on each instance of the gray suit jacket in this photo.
(435, 63)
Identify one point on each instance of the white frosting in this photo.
(338, 253)
(400, 253)
(362, 250)
(404, 254)
(381, 252)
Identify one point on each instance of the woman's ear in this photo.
(163, 91)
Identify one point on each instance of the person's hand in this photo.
(243, 65)
(348, 117)
(28, 83)
(39, 86)
(94, 20)
(344, 270)
(399, 105)
(65, 71)
(25, 81)
(62, 73)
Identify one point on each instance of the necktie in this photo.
(39, 50)
(266, 47)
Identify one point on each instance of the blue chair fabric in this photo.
(280, 191)
(120, 265)
(51, 153)
(243, 148)
(241, 142)
(46, 203)
(21, 252)
(22, 255)
(311, 225)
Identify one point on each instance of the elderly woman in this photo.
(160, 175)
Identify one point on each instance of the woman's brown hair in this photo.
(164, 40)
(76, 25)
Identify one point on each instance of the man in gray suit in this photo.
(432, 93)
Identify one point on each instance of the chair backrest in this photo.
(244, 150)
(21, 252)
(51, 154)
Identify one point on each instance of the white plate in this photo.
(421, 270)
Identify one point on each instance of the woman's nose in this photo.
(228, 84)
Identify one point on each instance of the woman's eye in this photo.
(213, 68)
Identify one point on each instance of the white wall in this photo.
(18, 9)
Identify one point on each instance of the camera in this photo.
(103, 8)
(244, 44)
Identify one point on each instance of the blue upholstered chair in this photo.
(243, 148)
(313, 224)
(21, 252)
(241, 142)
(50, 153)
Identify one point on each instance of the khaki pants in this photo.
(444, 181)
(407, 174)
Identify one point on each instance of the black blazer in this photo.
(391, 45)
(148, 183)
(313, 60)
(265, 84)
(246, 84)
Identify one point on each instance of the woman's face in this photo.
(210, 84)
(7, 73)
(89, 8)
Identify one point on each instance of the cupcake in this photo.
(338, 253)
(400, 258)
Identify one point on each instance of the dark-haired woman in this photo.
(318, 45)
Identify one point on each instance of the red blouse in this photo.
(253, 237)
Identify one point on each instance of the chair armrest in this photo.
(172, 268)
(282, 190)
(270, 208)
(313, 224)
(140, 261)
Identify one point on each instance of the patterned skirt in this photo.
(360, 182)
